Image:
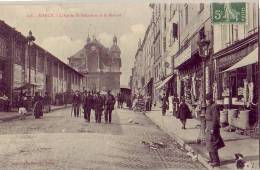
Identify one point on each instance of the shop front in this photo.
(237, 82)
(168, 87)
(190, 78)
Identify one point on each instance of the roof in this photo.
(79, 54)
(38, 46)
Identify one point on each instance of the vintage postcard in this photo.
(141, 84)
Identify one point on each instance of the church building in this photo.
(99, 65)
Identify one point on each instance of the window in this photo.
(201, 7)
(186, 15)
(3, 47)
(172, 11)
(55, 69)
(33, 57)
(60, 71)
(19, 58)
(164, 23)
(40, 64)
(164, 44)
(159, 13)
(255, 16)
(235, 32)
(174, 30)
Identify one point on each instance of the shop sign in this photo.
(229, 12)
(184, 56)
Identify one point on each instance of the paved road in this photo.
(59, 141)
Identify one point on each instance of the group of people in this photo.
(94, 101)
(214, 141)
(4, 102)
(142, 103)
(39, 104)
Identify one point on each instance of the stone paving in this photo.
(59, 141)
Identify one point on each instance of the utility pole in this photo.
(30, 39)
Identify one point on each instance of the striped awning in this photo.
(164, 82)
(251, 58)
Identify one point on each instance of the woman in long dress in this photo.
(38, 106)
(184, 113)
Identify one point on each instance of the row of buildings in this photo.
(22, 64)
(167, 59)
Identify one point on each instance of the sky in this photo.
(62, 28)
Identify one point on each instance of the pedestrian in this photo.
(109, 106)
(76, 103)
(184, 113)
(146, 103)
(22, 105)
(134, 101)
(47, 102)
(99, 105)
(175, 103)
(149, 99)
(165, 104)
(38, 106)
(88, 102)
(214, 141)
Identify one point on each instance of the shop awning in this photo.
(149, 82)
(27, 86)
(164, 82)
(251, 58)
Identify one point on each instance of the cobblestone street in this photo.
(59, 141)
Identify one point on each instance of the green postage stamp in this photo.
(229, 12)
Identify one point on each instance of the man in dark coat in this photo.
(149, 102)
(38, 105)
(88, 102)
(214, 140)
(99, 104)
(47, 102)
(184, 113)
(165, 104)
(109, 106)
(76, 103)
(120, 100)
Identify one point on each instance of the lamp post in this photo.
(30, 40)
(204, 53)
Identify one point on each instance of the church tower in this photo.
(115, 53)
(101, 65)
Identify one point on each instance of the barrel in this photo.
(232, 113)
(244, 119)
(224, 116)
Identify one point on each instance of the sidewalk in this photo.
(187, 139)
(7, 116)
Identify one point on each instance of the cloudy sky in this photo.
(62, 29)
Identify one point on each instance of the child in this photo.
(22, 107)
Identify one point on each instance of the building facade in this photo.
(235, 59)
(47, 72)
(99, 65)
(177, 66)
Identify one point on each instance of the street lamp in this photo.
(203, 53)
(30, 40)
